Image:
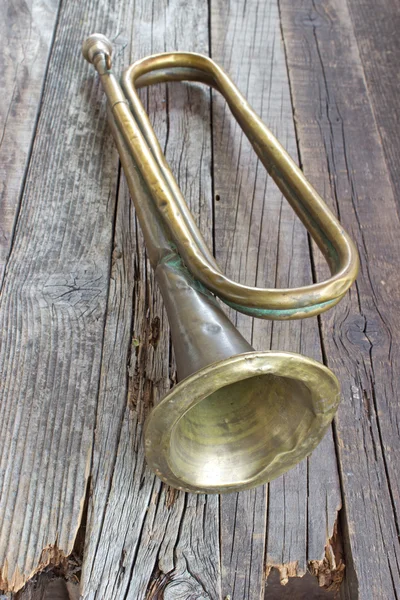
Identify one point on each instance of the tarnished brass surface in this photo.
(239, 417)
(241, 422)
(323, 226)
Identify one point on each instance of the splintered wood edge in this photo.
(329, 570)
(51, 556)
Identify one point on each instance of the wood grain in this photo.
(145, 540)
(26, 34)
(259, 240)
(376, 28)
(53, 305)
(341, 152)
(85, 349)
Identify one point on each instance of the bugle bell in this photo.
(238, 417)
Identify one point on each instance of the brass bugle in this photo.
(238, 417)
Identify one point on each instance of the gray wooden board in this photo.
(259, 241)
(26, 34)
(52, 307)
(144, 540)
(341, 153)
(163, 542)
(376, 27)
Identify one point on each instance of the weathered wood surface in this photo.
(86, 348)
(52, 308)
(341, 152)
(26, 34)
(376, 28)
(259, 241)
(182, 561)
(143, 540)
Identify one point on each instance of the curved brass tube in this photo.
(238, 417)
(323, 226)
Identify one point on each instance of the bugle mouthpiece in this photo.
(96, 44)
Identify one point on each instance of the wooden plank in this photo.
(144, 540)
(26, 33)
(260, 241)
(53, 305)
(173, 539)
(377, 32)
(341, 152)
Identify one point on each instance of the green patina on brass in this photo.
(290, 313)
(176, 262)
(238, 417)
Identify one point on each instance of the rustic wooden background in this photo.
(85, 348)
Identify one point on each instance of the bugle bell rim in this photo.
(236, 462)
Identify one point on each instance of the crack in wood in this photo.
(328, 571)
(57, 576)
(331, 569)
